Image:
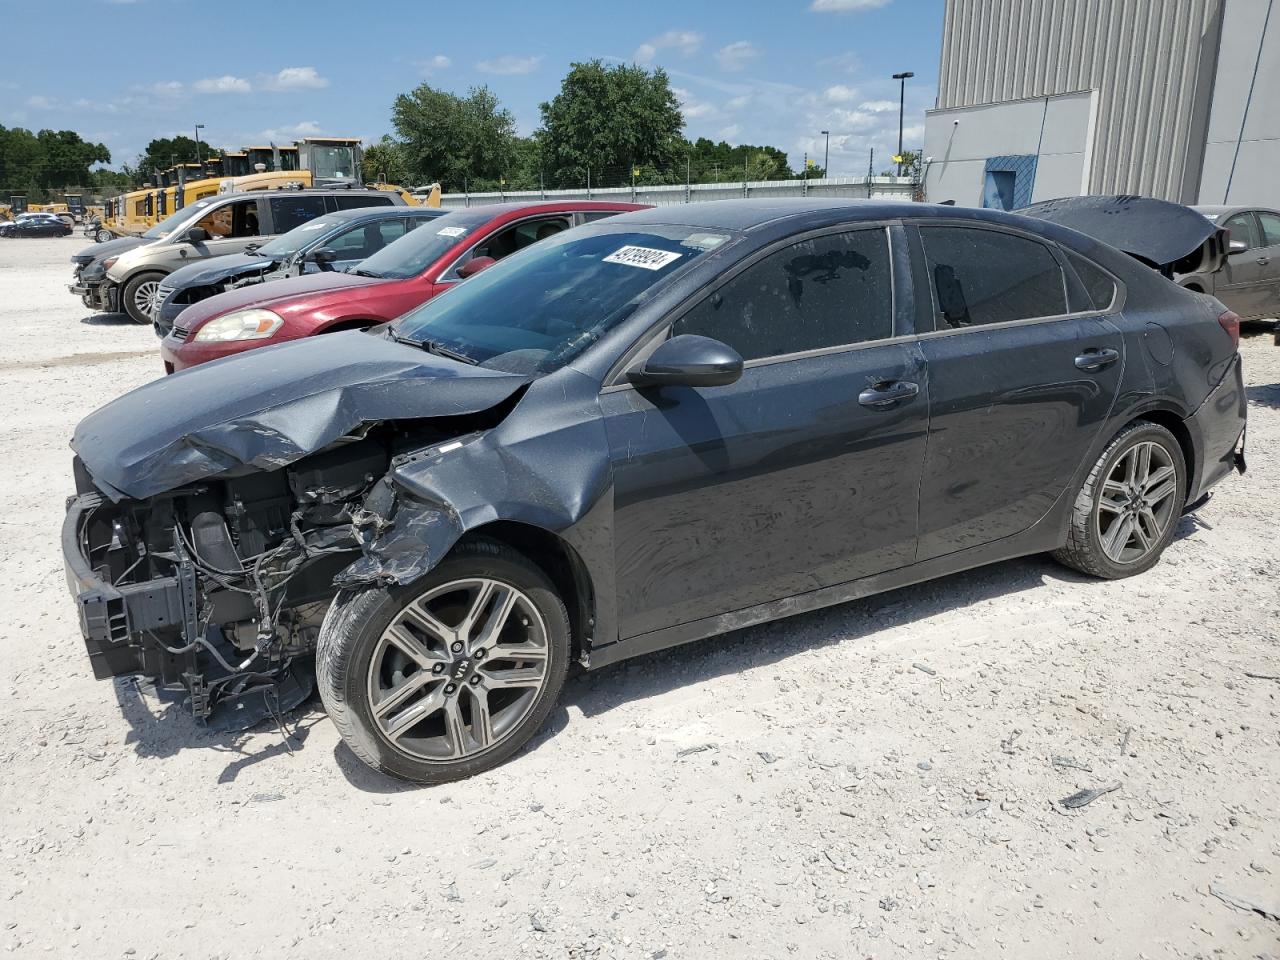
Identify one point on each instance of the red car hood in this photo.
(272, 294)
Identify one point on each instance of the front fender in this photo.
(545, 466)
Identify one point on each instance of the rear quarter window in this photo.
(1096, 281)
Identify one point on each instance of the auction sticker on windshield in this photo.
(451, 232)
(644, 257)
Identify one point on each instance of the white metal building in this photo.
(1177, 99)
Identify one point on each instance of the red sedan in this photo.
(394, 280)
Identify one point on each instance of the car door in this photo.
(232, 227)
(1020, 385)
(1269, 262)
(802, 474)
(1243, 280)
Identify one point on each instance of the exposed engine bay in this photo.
(222, 586)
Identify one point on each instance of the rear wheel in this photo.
(1129, 504)
(102, 236)
(140, 297)
(450, 676)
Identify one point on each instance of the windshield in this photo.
(535, 311)
(290, 243)
(416, 251)
(170, 224)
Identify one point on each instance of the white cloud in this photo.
(843, 62)
(509, 65)
(304, 128)
(738, 103)
(166, 88)
(685, 42)
(38, 102)
(223, 84)
(730, 133)
(691, 106)
(432, 64)
(839, 94)
(878, 106)
(296, 78)
(735, 56)
(845, 6)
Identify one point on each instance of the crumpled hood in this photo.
(266, 408)
(217, 269)
(1157, 231)
(276, 292)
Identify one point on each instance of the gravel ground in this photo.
(875, 780)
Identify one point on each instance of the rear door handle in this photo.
(1093, 359)
(1263, 261)
(887, 394)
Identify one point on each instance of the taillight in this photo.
(1230, 322)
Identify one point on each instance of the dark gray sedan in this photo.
(637, 433)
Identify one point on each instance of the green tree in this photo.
(910, 165)
(456, 140)
(710, 162)
(67, 159)
(163, 152)
(385, 161)
(610, 120)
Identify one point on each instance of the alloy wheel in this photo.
(1137, 502)
(146, 298)
(458, 669)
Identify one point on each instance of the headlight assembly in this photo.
(253, 324)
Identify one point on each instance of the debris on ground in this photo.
(1085, 797)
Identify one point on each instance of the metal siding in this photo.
(1142, 56)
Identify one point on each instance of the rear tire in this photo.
(1128, 506)
(451, 675)
(102, 236)
(138, 296)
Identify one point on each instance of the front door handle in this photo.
(886, 394)
(1263, 261)
(1094, 360)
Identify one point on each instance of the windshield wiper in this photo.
(366, 273)
(432, 347)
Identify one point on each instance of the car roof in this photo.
(747, 214)
(1225, 209)
(513, 210)
(381, 211)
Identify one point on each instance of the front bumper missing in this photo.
(103, 296)
(119, 622)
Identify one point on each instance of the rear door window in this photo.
(828, 291)
(354, 201)
(981, 277)
(1270, 224)
(293, 211)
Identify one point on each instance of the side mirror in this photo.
(1237, 246)
(689, 361)
(324, 257)
(474, 266)
(196, 235)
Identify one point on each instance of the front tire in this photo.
(1128, 506)
(449, 676)
(102, 236)
(139, 296)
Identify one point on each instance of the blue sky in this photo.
(747, 72)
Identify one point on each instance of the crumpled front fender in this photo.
(522, 470)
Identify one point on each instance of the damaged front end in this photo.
(213, 566)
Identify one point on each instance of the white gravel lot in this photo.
(802, 789)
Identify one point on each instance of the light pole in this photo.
(826, 154)
(902, 99)
(199, 127)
